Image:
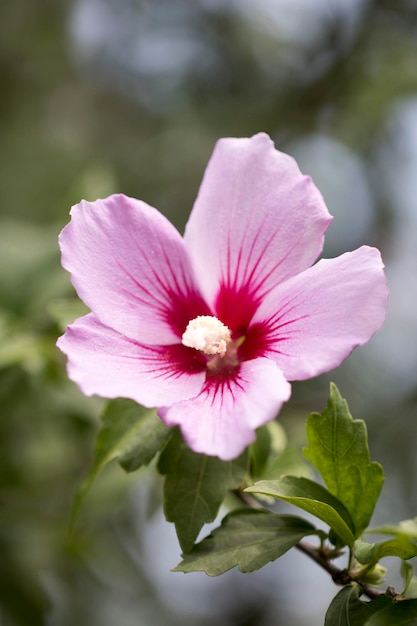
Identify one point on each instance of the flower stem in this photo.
(340, 576)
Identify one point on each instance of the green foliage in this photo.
(261, 449)
(347, 610)
(402, 545)
(406, 528)
(195, 487)
(131, 435)
(248, 539)
(371, 553)
(338, 448)
(402, 613)
(407, 572)
(313, 498)
(271, 456)
(289, 461)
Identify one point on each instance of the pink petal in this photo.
(221, 420)
(130, 267)
(256, 221)
(103, 362)
(312, 322)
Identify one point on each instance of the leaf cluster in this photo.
(252, 533)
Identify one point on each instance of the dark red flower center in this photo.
(222, 350)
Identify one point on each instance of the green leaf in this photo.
(248, 539)
(271, 457)
(347, 610)
(338, 448)
(370, 553)
(411, 590)
(402, 613)
(195, 487)
(289, 461)
(311, 497)
(406, 528)
(131, 434)
(259, 451)
(407, 572)
(271, 441)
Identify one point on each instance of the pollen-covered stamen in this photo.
(208, 334)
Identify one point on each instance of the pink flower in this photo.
(210, 327)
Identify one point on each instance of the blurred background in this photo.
(99, 96)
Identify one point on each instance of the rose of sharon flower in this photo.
(210, 327)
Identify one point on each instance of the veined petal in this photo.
(130, 267)
(221, 419)
(101, 361)
(256, 222)
(312, 322)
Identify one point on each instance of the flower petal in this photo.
(103, 362)
(256, 221)
(221, 420)
(130, 267)
(311, 323)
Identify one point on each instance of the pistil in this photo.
(207, 334)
